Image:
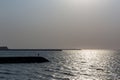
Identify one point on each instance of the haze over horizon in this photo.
(60, 24)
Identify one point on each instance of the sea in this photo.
(64, 65)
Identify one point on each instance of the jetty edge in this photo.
(28, 59)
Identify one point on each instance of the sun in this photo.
(81, 2)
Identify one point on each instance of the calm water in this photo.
(65, 65)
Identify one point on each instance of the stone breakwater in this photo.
(23, 59)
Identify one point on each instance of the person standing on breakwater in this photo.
(38, 54)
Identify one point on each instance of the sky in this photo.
(83, 24)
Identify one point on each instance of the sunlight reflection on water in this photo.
(95, 64)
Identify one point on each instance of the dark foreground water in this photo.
(65, 65)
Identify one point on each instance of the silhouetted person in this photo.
(38, 54)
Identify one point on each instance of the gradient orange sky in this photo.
(60, 23)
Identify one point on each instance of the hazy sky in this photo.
(60, 23)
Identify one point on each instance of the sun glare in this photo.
(82, 2)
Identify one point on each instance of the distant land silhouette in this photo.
(5, 48)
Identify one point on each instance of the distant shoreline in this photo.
(36, 49)
(30, 49)
(5, 48)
